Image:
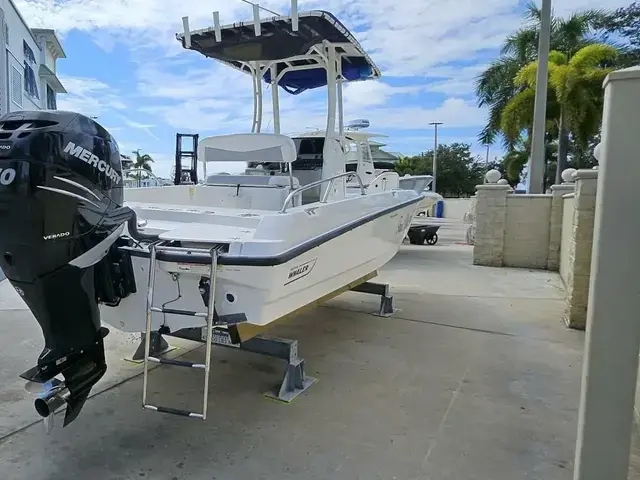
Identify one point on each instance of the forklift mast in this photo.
(186, 174)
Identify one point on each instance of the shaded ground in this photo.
(474, 378)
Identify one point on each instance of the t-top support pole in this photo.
(256, 73)
(340, 105)
(275, 99)
(331, 87)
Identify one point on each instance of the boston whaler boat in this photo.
(239, 251)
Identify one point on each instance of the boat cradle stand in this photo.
(294, 381)
(381, 289)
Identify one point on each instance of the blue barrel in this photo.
(440, 209)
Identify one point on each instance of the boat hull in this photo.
(264, 293)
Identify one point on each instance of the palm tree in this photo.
(496, 86)
(142, 161)
(575, 97)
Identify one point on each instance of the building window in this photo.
(16, 86)
(30, 84)
(51, 99)
(28, 53)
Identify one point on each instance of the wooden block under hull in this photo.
(245, 331)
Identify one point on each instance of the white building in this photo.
(28, 57)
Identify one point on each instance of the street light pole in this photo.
(435, 156)
(537, 158)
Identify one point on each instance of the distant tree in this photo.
(625, 23)
(458, 171)
(143, 160)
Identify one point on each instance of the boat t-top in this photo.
(237, 252)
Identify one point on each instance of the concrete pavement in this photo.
(474, 378)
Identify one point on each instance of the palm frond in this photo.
(526, 76)
(495, 80)
(557, 58)
(594, 56)
(522, 44)
(562, 78)
(517, 114)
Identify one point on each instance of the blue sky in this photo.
(125, 67)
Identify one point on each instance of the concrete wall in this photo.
(567, 233)
(517, 230)
(526, 235)
(551, 231)
(455, 208)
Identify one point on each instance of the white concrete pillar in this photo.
(613, 325)
(491, 210)
(555, 223)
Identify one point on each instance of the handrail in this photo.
(125, 172)
(297, 191)
(383, 174)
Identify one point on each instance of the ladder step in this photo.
(174, 311)
(174, 411)
(177, 363)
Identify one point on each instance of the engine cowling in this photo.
(61, 196)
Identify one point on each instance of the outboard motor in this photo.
(61, 218)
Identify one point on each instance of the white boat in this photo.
(358, 157)
(276, 253)
(239, 251)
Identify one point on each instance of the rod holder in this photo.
(257, 25)
(294, 15)
(187, 32)
(216, 26)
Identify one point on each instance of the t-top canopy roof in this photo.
(239, 46)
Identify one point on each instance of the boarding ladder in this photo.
(209, 315)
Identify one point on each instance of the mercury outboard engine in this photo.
(61, 218)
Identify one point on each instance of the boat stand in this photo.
(294, 380)
(381, 289)
(158, 346)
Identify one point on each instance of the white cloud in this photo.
(376, 92)
(140, 126)
(88, 96)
